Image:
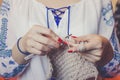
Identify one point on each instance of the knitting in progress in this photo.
(71, 66)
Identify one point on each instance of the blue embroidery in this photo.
(5, 7)
(105, 13)
(4, 65)
(11, 62)
(4, 52)
(117, 56)
(106, 10)
(14, 72)
(103, 71)
(113, 41)
(3, 34)
(111, 64)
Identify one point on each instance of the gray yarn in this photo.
(71, 66)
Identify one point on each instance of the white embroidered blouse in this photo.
(84, 17)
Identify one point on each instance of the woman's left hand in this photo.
(93, 47)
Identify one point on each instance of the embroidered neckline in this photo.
(58, 13)
(68, 19)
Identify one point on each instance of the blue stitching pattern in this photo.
(57, 13)
(3, 34)
(47, 18)
(117, 56)
(4, 52)
(4, 12)
(111, 65)
(108, 19)
(113, 41)
(14, 72)
(5, 7)
(106, 10)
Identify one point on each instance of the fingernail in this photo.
(74, 36)
(60, 40)
(70, 51)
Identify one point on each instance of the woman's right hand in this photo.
(39, 40)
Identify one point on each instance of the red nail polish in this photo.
(73, 36)
(65, 42)
(60, 40)
(70, 51)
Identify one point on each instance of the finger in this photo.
(37, 52)
(85, 47)
(87, 37)
(47, 32)
(97, 52)
(79, 39)
(93, 45)
(34, 51)
(40, 47)
(72, 44)
(89, 59)
(34, 44)
(45, 40)
(78, 47)
(92, 58)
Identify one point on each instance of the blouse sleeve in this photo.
(106, 29)
(8, 66)
(112, 68)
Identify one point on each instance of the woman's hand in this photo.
(96, 48)
(39, 40)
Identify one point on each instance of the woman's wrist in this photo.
(20, 48)
(17, 56)
(18, 53)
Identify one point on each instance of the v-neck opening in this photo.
(64, 15)
(58, 14)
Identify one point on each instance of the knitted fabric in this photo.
(71, 66)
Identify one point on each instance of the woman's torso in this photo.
(83, 19)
